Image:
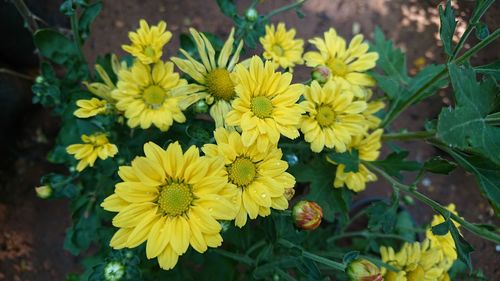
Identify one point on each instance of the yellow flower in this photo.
(266, 105)
(258, 177)
(345, 64)
(281, 47)
(332, 116)
(368, 149)
(96, 145)
(148, 42)
(171, 200)
(152, 95)
(212, 76)
(89, 108)
(445, 242)
(103, 90)
(416, 262)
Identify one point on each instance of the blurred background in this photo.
(32, 230)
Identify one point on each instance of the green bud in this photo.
(43, 191)
(114, 271)
(251, 14)
(363, 270)
(200, 107)
(321, 74)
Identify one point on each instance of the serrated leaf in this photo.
(383, 216)
(465, 126)
(320, 174)
(349, 158)
(439, 165)
(447, 28)
(54, 46)
(392, 61)
(395, 163)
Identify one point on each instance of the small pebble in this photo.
(426, 182)
(497, 248)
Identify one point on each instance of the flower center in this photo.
(262, 107)
(175, 198)
(219, 84)
(241, 172)
(154, 96)
(278, 50)
(325, 116)
(149, 51)
(338, 67)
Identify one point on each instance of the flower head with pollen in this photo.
(148, 42)
(345, 64)
(266, 106)
(332, 116)
(152, 95)
(93, 146)
(368, 149)
(259, 177)
(281, 47)
(212, 75)
(171, 200)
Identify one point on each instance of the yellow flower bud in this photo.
(363, 270)
(43, 191)
(307, 215)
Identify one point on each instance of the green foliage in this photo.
(492, 69)
(395, 163)
(447, 28)
(439, 165)
(349, 158)
(465, 127)
(87, 17)
(55, 46)
(383, 216)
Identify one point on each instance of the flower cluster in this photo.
(172, 200)
(427, 260)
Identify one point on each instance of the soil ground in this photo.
(32, 230)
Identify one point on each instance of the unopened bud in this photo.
(114, 271)
(307, 215)
(363, 270)
(289, 193)
(43, 191)
(39, 79)
(321, 74)
(200, 107)
(251, 14)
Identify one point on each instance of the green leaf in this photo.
(349, 257)
(492, 69)
(465, 126)
(88, 16)
(395, 163)
(320, 174)
(486, 172)
(383, 216)
(481, 7)
(439, 165)
(228, 8)
(55, 46)
(441, 229)
(482, 31)
(349, 158)
(405, 225)
(447, 28)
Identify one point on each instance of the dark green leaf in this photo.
(481, 7)
(349, 257)
(482, 31)
(441, 229)
(492, 69)
(439, 165)
(55, 46)
(67, 8)
(383, 216)
(349, 158)
(465, 126)
(447, 28)
(395, 163)
(228, 8)
(405, 225)
(88, 16)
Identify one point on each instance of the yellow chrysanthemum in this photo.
(91, 107)
(281, 47)
(148, 42)
(103, 90)
(416, 262)
(259, 177)
(152, 95)
(266, 105)
(445, 243)
(212, 76)
(346, 64)
(93, 146)
(170, 200)
(368, 149)
(332, 116)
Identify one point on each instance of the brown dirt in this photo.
(33, 230)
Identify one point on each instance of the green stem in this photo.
(354, 218)
(26, 14)
(17, 74)
(283, 9)
(285, 275)
(240, 258)
(408, 135)
(422, 90)
(76, 35)
(255, 247)
(479, 231)
(314, 257)
(367, 235)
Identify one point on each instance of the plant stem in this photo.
(76, 36)
(314, 257)
(283, 9)
(422, 90)
(26, 14)
(479, 231)
(255, 247)
(408, 135)
(285, 275)
(367, 235)
(17, 74)
(240, 258)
